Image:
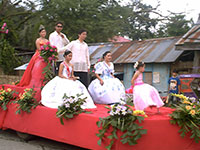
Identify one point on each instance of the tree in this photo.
(137, 21)
(100, 17)
(176, 26)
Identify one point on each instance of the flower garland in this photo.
(6, 95)
(49, 54)
(71, 106)
(26, 101)
(187, 116)
(122, 118)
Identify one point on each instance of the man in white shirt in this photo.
(58, 39)
(80, 56)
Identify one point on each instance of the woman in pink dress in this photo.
(144, 95)
(33, 76)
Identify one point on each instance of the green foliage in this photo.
(71, 107)
(123, 120)
(26, 101)
(103, 19)
(176, 26)
(187, 116)
(48, 73)
(8, 59)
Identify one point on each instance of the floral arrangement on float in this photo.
(72, 106)
(121, 118)
(6, 95)
(187, 116)
(26, 101)
(49, 54)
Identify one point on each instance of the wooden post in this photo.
(196, 62)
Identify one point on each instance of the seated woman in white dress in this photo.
(106, 89)
(54, 90)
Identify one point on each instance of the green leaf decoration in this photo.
(71, 107)
(126, 123)
(186, 116)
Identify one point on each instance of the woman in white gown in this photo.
(106, 89)
(54, 90)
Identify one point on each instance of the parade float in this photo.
(117, 127)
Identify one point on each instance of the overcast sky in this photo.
(190, 7)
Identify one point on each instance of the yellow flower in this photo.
(192, 112)
(138, 112)
(9, 90)
(1, 98)
(21, 97)
(186, 102)
(27, 89)
(188, 107)
(3, 91)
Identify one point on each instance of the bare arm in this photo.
(73, 77)
(135, 77)
(60, 71)
(112, 74)
(37, 43)
(99, 78)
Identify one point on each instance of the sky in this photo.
(190, 7)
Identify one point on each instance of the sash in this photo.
(67, 68)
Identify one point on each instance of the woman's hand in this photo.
(74, 78)
(101, 82)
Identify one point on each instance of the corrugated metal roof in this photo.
(152, 50)
(191, 40)
(192, 36)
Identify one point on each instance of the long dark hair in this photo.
(104, 54)
(66, 53)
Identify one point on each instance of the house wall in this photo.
(162, 71)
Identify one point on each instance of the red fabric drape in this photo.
(33, 76)
(81, 130)
(2, 116)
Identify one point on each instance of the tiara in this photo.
(136, 64)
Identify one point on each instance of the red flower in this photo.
(4, 25)
(50, 58)
(51, 50)
(42, 47)
(7, 31)
(48, 43)
(47, 48)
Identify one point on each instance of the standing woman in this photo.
(106, 89)
(33, 77)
